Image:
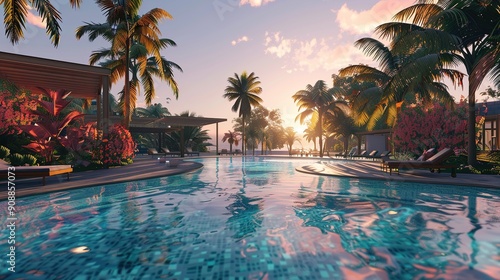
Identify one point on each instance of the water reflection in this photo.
(256, 217)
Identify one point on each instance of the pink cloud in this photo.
(364, 22)
(239, 40)
(314, 54)
(34, 19)
(255, 3)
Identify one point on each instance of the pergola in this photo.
(84, 82)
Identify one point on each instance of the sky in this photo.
(288, 44)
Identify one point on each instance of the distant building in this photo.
(490, 134)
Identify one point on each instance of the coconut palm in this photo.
(469, 29)
(135, 49)
(401, 76)
(310, 133)
(16, 12)
(190, 136)
(291, 137)
(152, 111)
(244, 90)
(314, 100)
(232, 138)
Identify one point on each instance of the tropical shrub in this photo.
(50, 122)
(119, 146)
(419, 128)
(16, 109)
(86, 146)
(4, 152)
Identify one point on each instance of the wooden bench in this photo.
(35, 171)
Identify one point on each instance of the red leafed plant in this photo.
(419, 128)
(49, 123)
(15, 110)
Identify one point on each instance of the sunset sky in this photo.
(287, 43)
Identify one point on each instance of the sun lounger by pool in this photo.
(436, 162)
(190, 152)
(169, 153)
(33, 171)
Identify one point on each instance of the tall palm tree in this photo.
(244, 90)
(232, 138)
(314, 100)
(135, 49)
(401, 75)
(469, 29)
(152, 111)
(16, 12)
(310, 134)
(291, 137)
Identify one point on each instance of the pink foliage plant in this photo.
(418, 128)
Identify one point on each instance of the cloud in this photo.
(239, 40)
(255, 3)
(313, 54)
(277, 45)
(34, 19)
(364, 22)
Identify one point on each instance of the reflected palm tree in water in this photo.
(385, 226)
(246, 212)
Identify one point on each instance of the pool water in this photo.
(257, 218)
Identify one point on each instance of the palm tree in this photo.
(16, 11)
(190, 136)
(310, 134)
(469, 29)
(244, 89)
(232, 138)
(401, 75)
(153, 111)
(291, 137)
(135, 49)
(314, 100)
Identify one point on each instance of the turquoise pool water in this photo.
(257, 219)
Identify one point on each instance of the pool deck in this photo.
(368, 169)
(147, 167)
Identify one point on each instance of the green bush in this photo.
(29, 160)
(4, 152)
(16, 159)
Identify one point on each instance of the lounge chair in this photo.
(384, 155)
(352, 152)
(436, 162)
(190, 152)
(33, 171)
(167, 152)
(372, 155)
(361, 155)
(224, 152)
(153, 152)
(341, 154)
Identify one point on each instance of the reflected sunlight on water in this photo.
(254, 218)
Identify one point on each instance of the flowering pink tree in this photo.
(438, 127)
(86, 146)
(15, 110)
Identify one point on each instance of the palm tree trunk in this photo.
(243, 146)
(126, 101)
(471, 129)
(320, 129)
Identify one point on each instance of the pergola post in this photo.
(105, 105)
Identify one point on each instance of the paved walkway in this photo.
(372, 170)
(143, 167)
(146, 167)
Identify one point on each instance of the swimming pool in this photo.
(257, 218)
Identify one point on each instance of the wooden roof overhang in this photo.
(84, 81)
